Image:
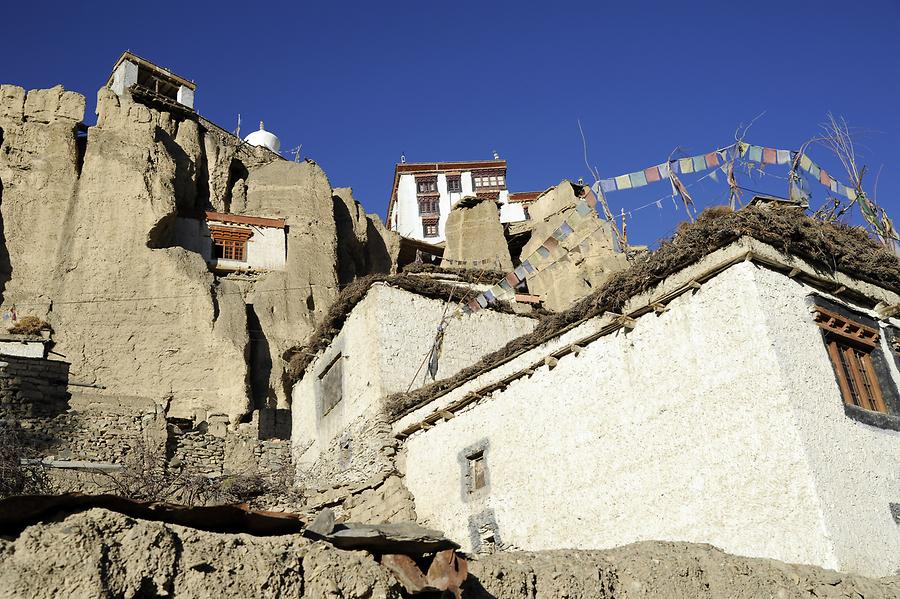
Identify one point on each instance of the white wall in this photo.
(384, 341)
(407, 221)
(856, 467)
(687, 428)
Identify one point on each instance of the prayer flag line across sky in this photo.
(549, 251)
(702, 162)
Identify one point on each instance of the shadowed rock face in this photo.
(88, 244)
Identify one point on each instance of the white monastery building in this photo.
(424, 193)
(234, 242)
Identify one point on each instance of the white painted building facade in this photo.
(233, 242)
(376, 354)
(424, 193)
(720, 420)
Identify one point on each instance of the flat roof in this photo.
(143, 62)
(240, 219)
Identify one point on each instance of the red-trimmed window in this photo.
(429, 205)
(230, 243)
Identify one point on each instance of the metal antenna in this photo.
(296, 152)
(237, 131)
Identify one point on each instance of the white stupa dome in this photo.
(264, 138)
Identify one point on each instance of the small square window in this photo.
(430, 227)
(426, 185)
(454, 185)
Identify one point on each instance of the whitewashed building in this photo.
(749, 401)
(234, 242)
(145, 79)
(338, 397)
(423, 194)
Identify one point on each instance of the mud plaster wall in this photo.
(382, 344)
(685, 428)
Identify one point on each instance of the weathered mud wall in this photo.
(474, 234)
(87, 242)
(102, 554)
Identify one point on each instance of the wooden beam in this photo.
(659, 308)
(551, 362)
(794, 272)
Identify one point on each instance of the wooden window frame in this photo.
(332, 391)
(850, 345)
(430, 222)
(429, 205)
(430, 182)
(477, 465)
(231, 240)
(454, 184)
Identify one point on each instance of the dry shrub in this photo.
(15, 477)
(29, 325)
(830, 246)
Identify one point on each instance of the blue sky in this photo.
(358, 83)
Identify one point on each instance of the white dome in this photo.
(263, 138)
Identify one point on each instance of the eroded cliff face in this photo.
(88, 244)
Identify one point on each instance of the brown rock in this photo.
(474, 232)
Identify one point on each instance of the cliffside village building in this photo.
(424, 193)
(733, 388)
(749, 400)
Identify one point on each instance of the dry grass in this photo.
(829, 246)
(29, 325)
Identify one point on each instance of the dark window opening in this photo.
(332, 384)
(454, 184)
(477, 471)
(429, 205)
(426, 185)
(525, 210)
(430, 227)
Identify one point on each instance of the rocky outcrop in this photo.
(87, 243)
(365, 247)
(474, 234)
(98, 553)
(103, 554)
(591, 256)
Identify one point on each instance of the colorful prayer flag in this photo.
(551, 243)
(558, 234)
(520, 272)
(814, 170)
(783, 156)
(566, 229)
(638, 179)
(529, 268)
(543, 251)
(489, 296)
(834, 186)
(651, 174)
(824, 179)
(686, 165)
(623, 182)
(769, 156)
(755, 154)
(805, 162)
(743, 148)
(663, 170)
(712, 159)
(474, 306)
(608, 185)
(506, 286)
(512, 278)
(851, 193)
(699, 163)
